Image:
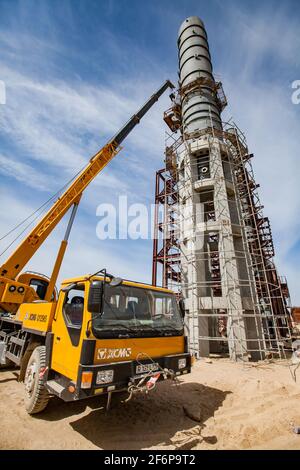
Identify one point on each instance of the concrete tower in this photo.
(215, 279)
(217, 249)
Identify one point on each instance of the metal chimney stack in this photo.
(215, 280)
(198, 106)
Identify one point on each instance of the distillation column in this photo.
(215, 279)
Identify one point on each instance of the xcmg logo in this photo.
(120, 353)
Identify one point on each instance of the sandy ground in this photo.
(238, 407)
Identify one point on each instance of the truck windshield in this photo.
(137, 312)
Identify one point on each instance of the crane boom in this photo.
(27, 248)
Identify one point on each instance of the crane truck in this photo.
(99, 334)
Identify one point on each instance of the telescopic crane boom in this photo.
(10, 270)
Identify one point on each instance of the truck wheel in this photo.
(36, 395)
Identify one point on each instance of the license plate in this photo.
(143, 368)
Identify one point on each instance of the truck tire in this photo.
(36, 395)
(24, 362)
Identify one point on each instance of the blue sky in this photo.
(76, 70)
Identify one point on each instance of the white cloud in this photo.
(261, 105)
(21, 172)
(271, 123)
(85, 253)
(55, 125)
(60, 126)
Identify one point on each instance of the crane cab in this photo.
(27, 287)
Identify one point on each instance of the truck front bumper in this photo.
(123, 373)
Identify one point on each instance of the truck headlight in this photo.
(105, 376)
(181, 363)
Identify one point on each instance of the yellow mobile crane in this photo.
(100, 334)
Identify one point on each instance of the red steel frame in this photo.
(165, 242)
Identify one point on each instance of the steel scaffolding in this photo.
(263, 289)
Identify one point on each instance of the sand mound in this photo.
(221, 405)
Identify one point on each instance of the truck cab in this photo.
(102, 335)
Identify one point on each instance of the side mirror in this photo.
(115, 282)
(181, 307)
(95, 297)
